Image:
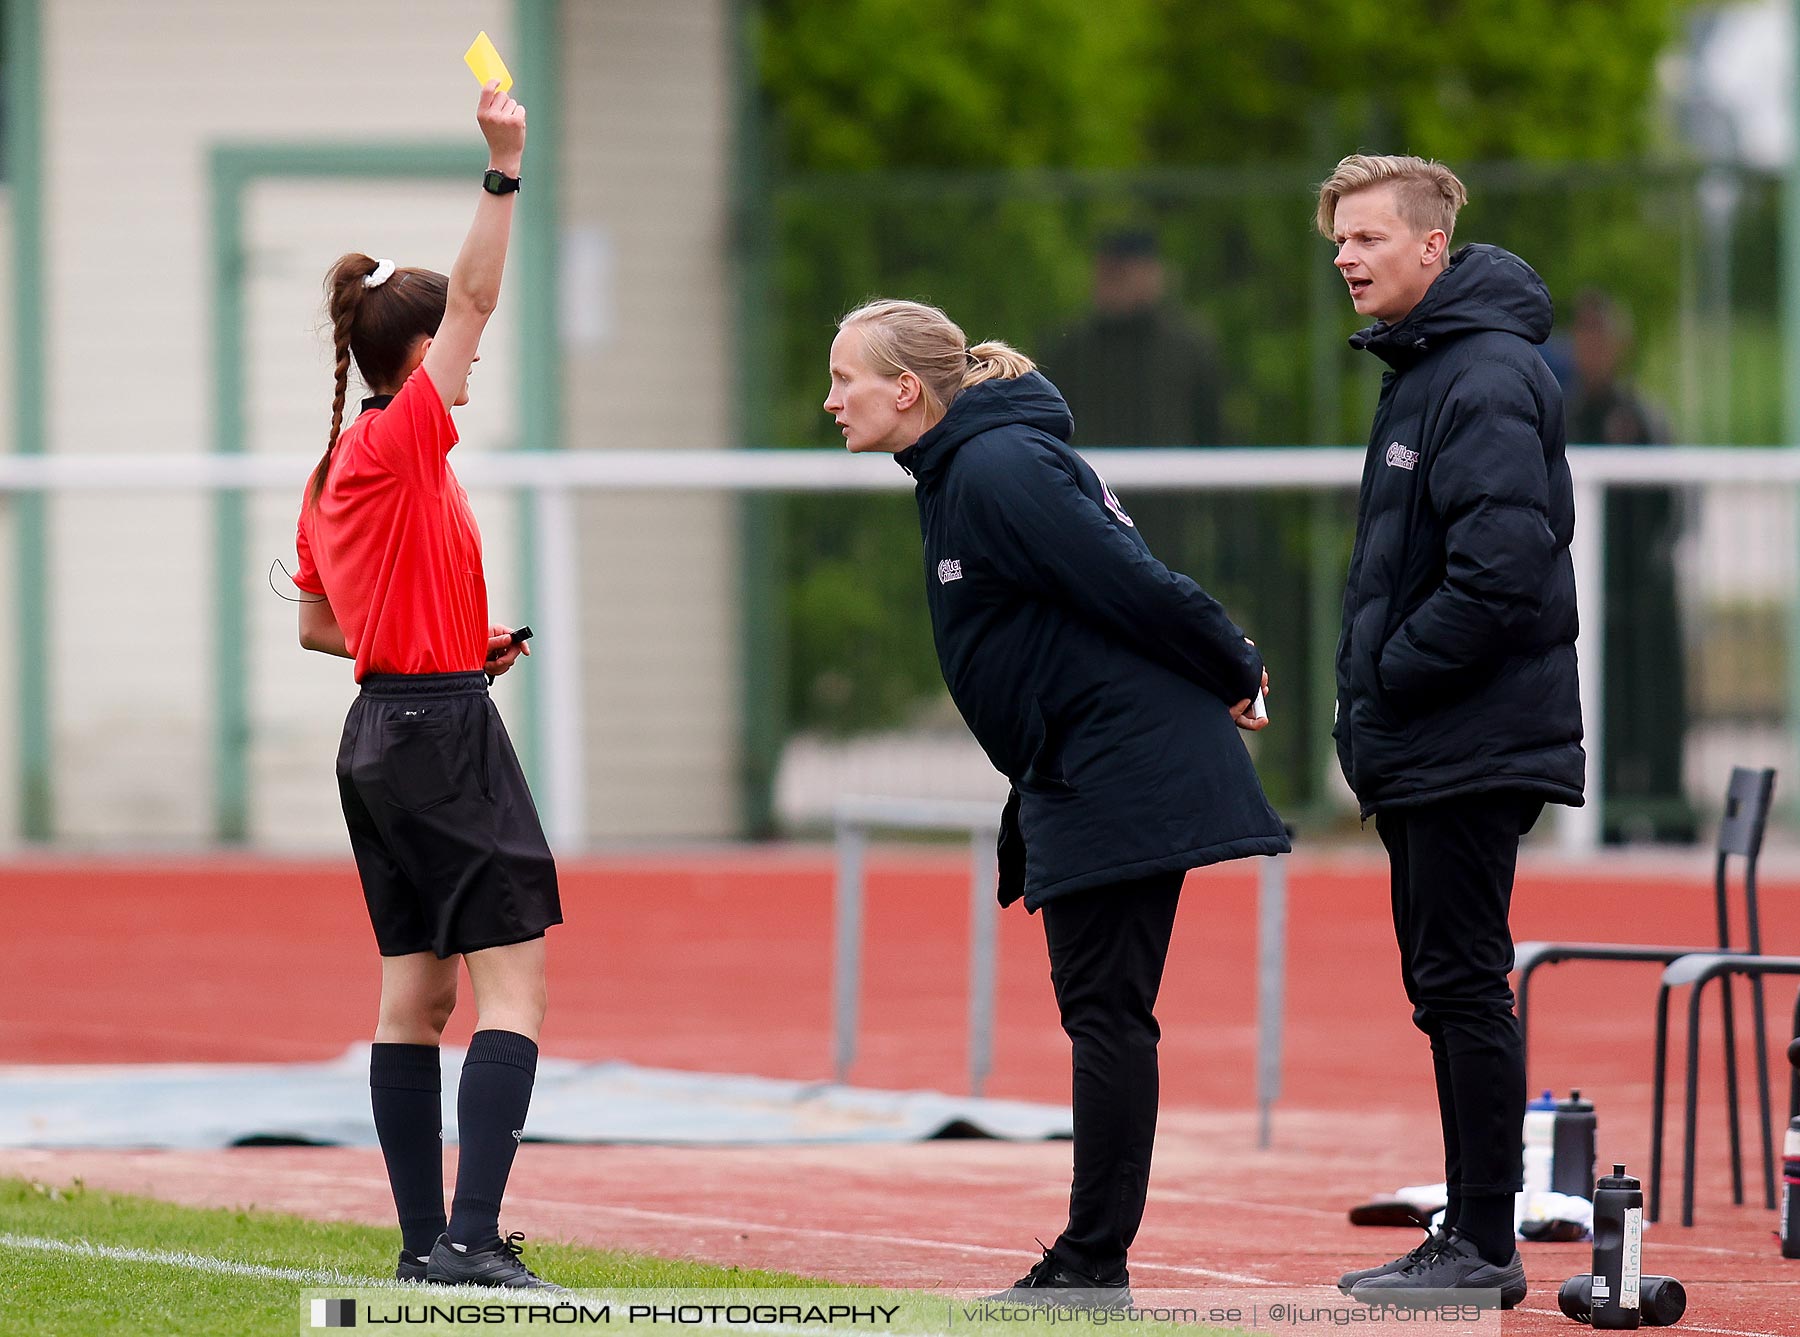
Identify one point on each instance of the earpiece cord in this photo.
(290, 575)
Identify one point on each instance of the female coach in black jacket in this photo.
(1103, 685)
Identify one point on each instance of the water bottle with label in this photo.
(1618, 1250)
(1663, 1300)
(1790, 1191)
(1572, 1159)
(1540, 1143)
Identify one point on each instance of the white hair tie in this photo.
(384, 270)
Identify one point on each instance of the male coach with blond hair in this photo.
(1457, 710)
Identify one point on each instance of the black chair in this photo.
(1746, 813)
(1747, 800)
(1698, 970)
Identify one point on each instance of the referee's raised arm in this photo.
(475, 277)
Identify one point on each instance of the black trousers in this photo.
(1452, 866)
(1107, 949)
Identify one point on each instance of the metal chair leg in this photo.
(1693, 1102)
(1731, 1090)
(1762, 1089)
(1658, 1090)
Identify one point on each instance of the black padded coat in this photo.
(1456, 662)
(1096, 679)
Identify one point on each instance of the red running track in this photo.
(720, 961)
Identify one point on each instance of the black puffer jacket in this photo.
(1095, 679)
(1456, 666)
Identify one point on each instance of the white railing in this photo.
(858, 817)
(552, 479)
(1262, 467)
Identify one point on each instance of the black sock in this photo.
(1487, 1223)
(1452, 1211)
(491, 1104)
(405, 1089)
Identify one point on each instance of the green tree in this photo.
(856, 85)
(969, 154)
(862, 84)
(1463, 80)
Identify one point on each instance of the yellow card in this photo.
(486, 64)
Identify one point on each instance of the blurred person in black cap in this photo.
(1104, 686)
(1645, 671)
(1140, 369)
(1137, 370)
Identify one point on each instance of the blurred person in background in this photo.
(1645, 724)
(1137, 370)
(453, 860)
(1141, 368)
(1104, 686)
(1458, 710)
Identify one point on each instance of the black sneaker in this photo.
(1454, 1265)
(1433, 1240)
(410, 1268)
(1053, 1282)
(495, 1265)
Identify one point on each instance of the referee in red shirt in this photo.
(447, 841)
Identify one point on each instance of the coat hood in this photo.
(1485, 288)
(1027, 401)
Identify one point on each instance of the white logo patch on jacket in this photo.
(1399, 457)
(949, 569)
(1114, 505)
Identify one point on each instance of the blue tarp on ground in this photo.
(201, 1105)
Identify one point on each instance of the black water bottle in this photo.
(1663, 1300)
(1618, 1250)
(1790, 1191)
(1572, 1160)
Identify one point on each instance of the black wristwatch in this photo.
(496, 182)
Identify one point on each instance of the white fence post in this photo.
(1271, 989)
(561, 735)
(984, 927)
(846, 961)
(1578, 830)
(855, 818)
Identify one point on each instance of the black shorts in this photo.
(446, 837)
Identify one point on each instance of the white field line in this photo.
(818, 1232)
(811, 1232)
(738, 1224)
(194, 1262)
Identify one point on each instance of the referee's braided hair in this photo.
(379, 326)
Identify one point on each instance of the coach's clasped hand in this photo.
(1241, 713)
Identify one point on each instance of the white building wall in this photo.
(9, 670)
(135, 97)
(649, 310)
